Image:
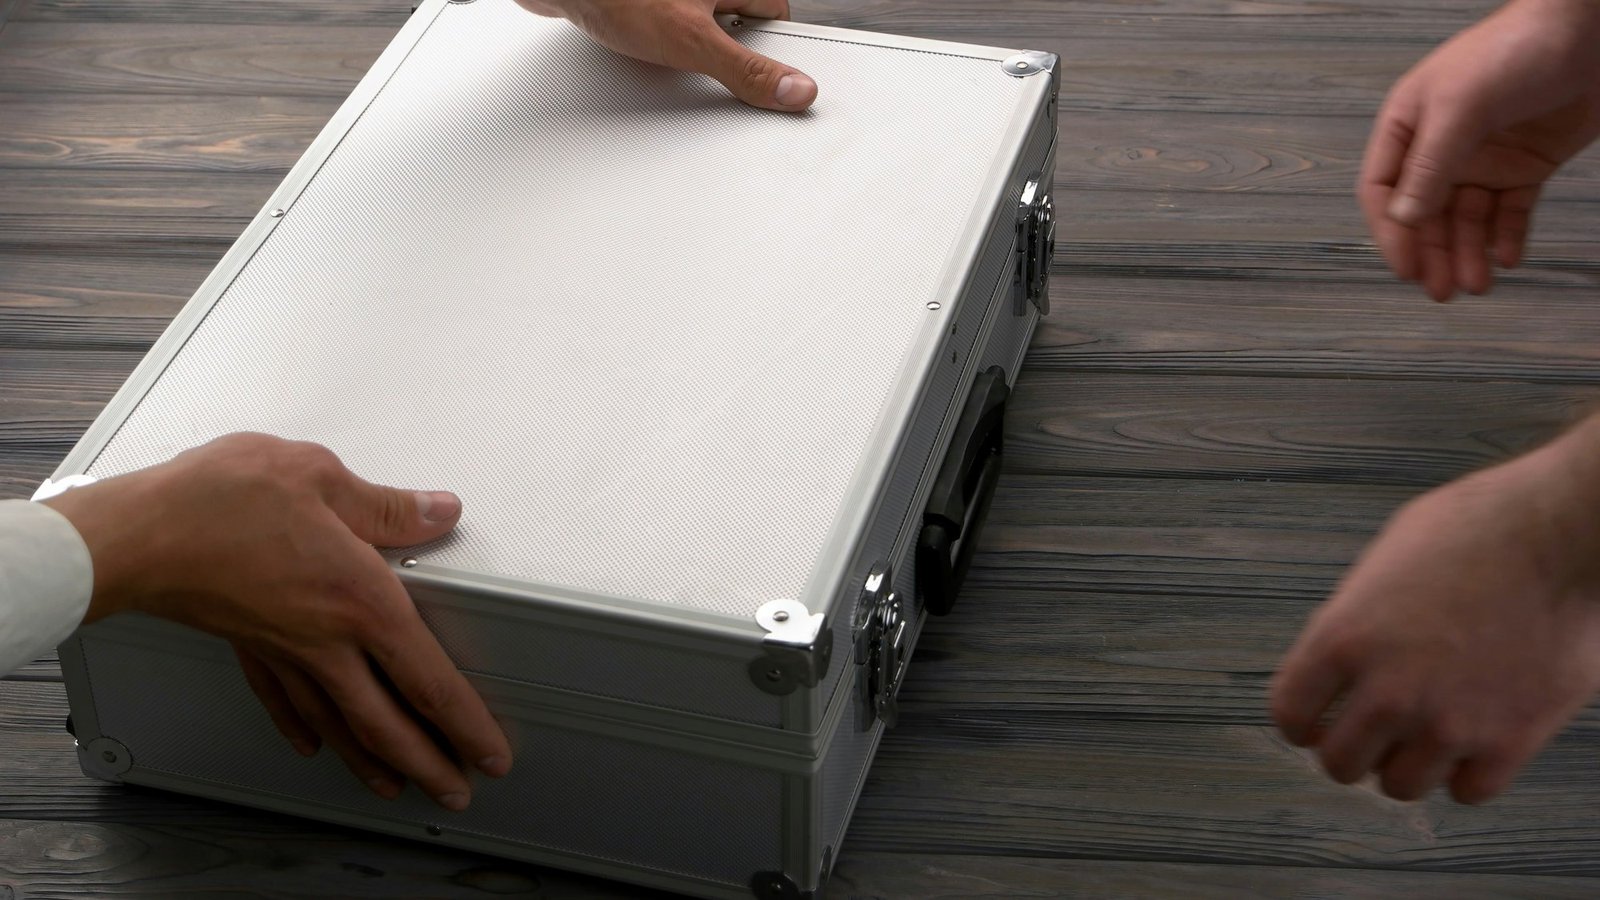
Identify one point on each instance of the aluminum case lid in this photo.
(661, 343)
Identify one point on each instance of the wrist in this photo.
(1571, 469)
(1581, 18)
(117, 522)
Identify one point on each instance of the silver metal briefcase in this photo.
(721, 389)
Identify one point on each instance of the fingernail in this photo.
(453, 802)
(438, 506)
(1405, 208)
(304, 748)
(384, 788)
(493, 766)
(793, 90)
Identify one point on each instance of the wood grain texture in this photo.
(232, 134)
(241, 858)
(1365, 431)
(869, 876)
(148, 58)
(201, 12)
(1041, 23)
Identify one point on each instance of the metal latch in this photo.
(880, 643)
(1036, 247)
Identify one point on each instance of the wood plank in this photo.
(35, 435)
(950, 877)
(240, 134)
(147, 58)
(1000, 780)
(265, 856)
(118, 195)
(1293, 429)
(90, 301)
(963, 20)
(1523, 331)
(55, 373)
(1190, 151)
(1041, 24)
(195, 12)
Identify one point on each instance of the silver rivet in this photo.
(435, 830)
(277, 213)
(409, 562)
(1022, 65)
(934, 304)
(108, 756)
(781, 615)
(737, 23)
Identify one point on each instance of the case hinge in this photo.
(880, 645)
(1036, 247)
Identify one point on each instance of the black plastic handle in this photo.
(962, 493)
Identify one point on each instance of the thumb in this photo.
(391, 517)
(753, 78)
(1446, 137)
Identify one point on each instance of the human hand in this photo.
(1465, 637)
(684, 35)
(269, 544)
(1467, 138)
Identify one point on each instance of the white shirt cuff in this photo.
(46, 579)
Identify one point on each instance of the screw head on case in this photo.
(277, 213)
(934, 305)
(409, 562)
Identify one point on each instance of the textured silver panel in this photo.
(570, 791)
(646, 332)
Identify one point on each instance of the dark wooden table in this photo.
(1231, 396)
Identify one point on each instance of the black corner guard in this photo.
(962, 493)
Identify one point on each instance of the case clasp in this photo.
(880, 644)
(1036, 247)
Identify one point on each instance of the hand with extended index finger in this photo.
(269, 545)
(1467, 138)
(684, 34)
